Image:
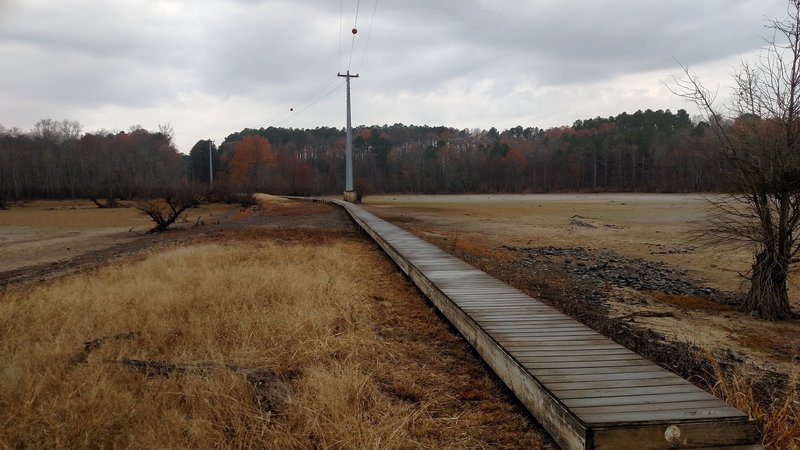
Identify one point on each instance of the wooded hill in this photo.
(648, 151)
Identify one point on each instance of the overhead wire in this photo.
(341, 2)
(302, 104)
(316, 100)
(353, 42)
(323, 96)
(369, 32)
(329, 86)
(321, 87)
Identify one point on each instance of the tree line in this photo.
(647, 151)
(56, 160)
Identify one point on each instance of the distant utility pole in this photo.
(349, 193)
(210, 167)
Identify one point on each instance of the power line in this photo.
(369, 32)
(294, 114)
(302, 104)
(340, 33)
(353, 42)
(315, 91)
(327, 87)
(321, 97)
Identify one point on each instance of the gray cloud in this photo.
(245, 60)
(554, 39)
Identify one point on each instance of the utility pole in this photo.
(210, 167)
(349, 193)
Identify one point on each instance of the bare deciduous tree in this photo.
(758, 133)
(166, 211)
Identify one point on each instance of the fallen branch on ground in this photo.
(646, 314)
(93, 344)
(269, 391)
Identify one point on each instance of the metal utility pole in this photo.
(210, 167)
(349, 194)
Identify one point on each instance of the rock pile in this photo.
(613, 270)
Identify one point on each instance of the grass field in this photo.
(258, 337)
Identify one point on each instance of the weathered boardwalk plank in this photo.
(586, 390)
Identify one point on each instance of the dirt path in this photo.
(50, 239)
(45, 239)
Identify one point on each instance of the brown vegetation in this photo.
(778, 419)
(250, 162)
(260, 337)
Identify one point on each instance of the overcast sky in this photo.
(212, 67)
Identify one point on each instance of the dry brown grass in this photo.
(778, 421)
(358, 360)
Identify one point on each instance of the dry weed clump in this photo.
(778, 421)
(248, 344)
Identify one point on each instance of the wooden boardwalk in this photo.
(586, 390)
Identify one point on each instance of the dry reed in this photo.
(778, 421)
(347, 372)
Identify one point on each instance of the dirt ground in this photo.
(458, 399)
(625, 264)
(40, 239)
